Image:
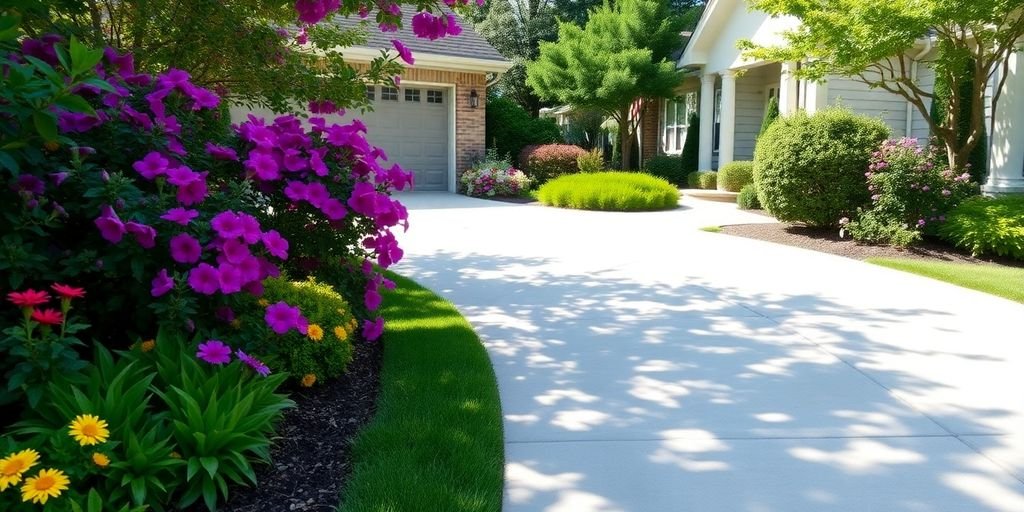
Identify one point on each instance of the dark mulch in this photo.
(827, 240)
(311, 460)
(516, 200)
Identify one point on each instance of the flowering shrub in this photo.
(912, 190)
(549, 161)
(494, 181)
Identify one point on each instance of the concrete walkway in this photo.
(645, 365)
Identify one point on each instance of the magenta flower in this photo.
(181, 176)
(276, 245)
(372, 299)
(373, 330)
(296, 191)
(235, 251)
(204, 279)
(110, 225)
(251, 231)
(317, 194)
(152, 165)
(194, 192)
(403, 52)
(180, 216)
(281, 317)
(144, 235)
(227, 224)
(230, 278)
(224, 314)
(214, 352)
(221, 152)
(334, 209)
(161, 284)
(263, 166)
(256, 365)
(185, 249)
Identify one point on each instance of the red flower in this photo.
(68, 292)
(47, 316)
(28, 299)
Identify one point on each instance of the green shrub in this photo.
(873, 230)
(668, 167)
(987, 226)
(543, 163)
(771, 113)
(733, 176)
(509, 128)
(324, 351)
(704, 180)
(810, 168)
(613, 191)
(747, 200)
(593, 161)
(691, 146)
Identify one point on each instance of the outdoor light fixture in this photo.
(474, 99)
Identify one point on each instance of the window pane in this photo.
(389, 94)
(370, 90)
(434, 97)
(412, 95)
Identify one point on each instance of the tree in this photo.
(978, 159)
(619, 57)
(235, 47)
(771, 113)
(691, 146)
(873, 40)
(516, 28)
(577, 11)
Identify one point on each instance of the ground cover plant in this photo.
(613, 191)
(437, 436)
(987, 226)
(747, 200)
(992, 279)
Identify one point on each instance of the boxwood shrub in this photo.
(668, 167)
(987, 226)
(704, 180)
(613, 191)
(733, 176)
(747, 200)
(810, 168)
(543, 163)
(510, 128)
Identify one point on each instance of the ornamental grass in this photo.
(610, 191)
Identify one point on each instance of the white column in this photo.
(815, 95)
(1006, 154)
(788, 89)
(707, 121)
(727, 136)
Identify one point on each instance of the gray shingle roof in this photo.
(468, 44)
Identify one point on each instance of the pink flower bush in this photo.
(493, 181)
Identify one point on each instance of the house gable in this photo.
(725, 22)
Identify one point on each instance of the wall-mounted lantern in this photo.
(474, 99)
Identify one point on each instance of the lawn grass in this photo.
(712, 229)
(610, 191)
(1006, 282)
(436, 441)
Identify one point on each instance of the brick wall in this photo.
(650, 134)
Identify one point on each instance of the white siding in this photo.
(877, 103)
(926, 81)
(750, 105)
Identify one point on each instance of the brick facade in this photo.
(650, 132)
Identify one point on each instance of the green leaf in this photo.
(74, 103)
(9, 162)
(46, 125)
(210, 464)
(82, 58)
(10, 27)
(95, 502)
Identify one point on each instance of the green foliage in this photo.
(771, 113)
(610, 191)
(592, 161)
(987, 226)
(577, 11)
(583, 128)
(978, 159)
(691, 146)
(911, 193)
(747, 200)
(733, 176)
(543, 163)
(621, 54)
(495, 182)
(811, 168)
(703, 180)
(1002, 281)
(509, 128)
(667, 167)
(295, 353)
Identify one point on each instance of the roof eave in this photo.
(435, 61)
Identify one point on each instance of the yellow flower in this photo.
(175, 455)
(341, 333)
(148, 345)
(236, 323)
(89, 430)
(14, 465)
(100, 459)
(47, 484)
(263, 302)
(308, 380)
(315, 332)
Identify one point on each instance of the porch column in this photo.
(707, 121)
(1006, 154)
(788, 89)
(727, 136)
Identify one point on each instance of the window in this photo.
(675, 120)
(412, 95)
(370, 92)
(718, 118)
(389, 94)
(435, 97)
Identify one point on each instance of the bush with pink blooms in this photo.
(495, 182)
(549, 161)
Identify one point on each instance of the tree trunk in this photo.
(625, 139)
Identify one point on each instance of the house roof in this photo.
(469, 44)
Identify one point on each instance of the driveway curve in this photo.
(646, 365)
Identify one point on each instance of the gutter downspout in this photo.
(913, 78)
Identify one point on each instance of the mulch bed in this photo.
(311, 457)
(827, 240)
(516, 200)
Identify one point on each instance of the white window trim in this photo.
(674, 145)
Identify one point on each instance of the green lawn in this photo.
(436, 442)
(712, 229)
(1006, 282)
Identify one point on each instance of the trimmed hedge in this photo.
(509, 128)
(612, 191)
(733, 176)
(810, 168)
(667, 167)
(747, 200)
(704, 180)
(543, 163)
(987, 226)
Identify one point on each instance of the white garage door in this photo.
(411, 124)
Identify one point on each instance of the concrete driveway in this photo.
(645, 365)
